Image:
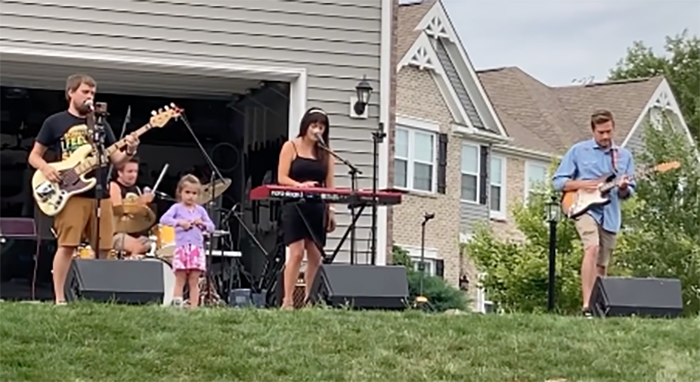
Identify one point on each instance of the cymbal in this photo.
(219, 186)
(133, 218)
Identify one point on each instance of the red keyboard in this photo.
(330, 195)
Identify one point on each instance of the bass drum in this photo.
(168, 279)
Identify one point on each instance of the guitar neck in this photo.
(91, 162)
(612, 184)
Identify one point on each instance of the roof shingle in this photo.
(550, 119)
(409, 17)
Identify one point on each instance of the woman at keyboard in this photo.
(304, 163)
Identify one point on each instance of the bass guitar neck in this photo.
(51, 197)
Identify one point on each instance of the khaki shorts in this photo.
(592, 234)
(78, 221)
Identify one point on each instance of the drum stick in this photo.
(160, 177)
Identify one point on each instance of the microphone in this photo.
(320, 140)
(90, 105)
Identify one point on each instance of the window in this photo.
(415, 159)
(483, 304)
(470, 173)
(497, 196)
(535, 177)
(433, 264)
(429, 265)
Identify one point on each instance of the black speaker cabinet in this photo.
(361, 286)
(120, 281)
(649, 297)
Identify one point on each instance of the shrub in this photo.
(440, 294)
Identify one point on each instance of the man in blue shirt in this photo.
(585, 166)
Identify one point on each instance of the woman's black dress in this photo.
(293, 226)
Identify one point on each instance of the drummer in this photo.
(124, 188)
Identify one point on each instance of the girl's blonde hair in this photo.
(187, 179)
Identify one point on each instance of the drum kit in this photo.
(136, 218)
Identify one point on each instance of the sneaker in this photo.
(586, 312)
(178, 303)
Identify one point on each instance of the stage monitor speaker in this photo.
(361, 286)
(120, 281)
(647, 297)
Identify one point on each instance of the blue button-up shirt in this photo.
(588, 161)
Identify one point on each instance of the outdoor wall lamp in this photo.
(359, 102)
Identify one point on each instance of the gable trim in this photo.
(437, 24)
(422, 56)
(664, 94)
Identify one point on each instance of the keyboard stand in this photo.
(329, 259)
(353, 204)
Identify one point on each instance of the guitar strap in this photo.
(614, 152)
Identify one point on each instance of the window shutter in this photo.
(440, 268)
(442, 164)
(484, 175)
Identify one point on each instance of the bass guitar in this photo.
(51, 197)
(577, 203)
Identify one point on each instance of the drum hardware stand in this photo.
(238, 216)
(96, 121)
(214, 173)
(354, 200)
(377, 138)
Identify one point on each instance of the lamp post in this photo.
(420, 299)
(553, 211)
(364, 92)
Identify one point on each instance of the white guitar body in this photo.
(50, 197)
(583, 201)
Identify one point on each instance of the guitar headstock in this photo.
(161, 117)
(667, 166)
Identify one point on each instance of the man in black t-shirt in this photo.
(65, 132)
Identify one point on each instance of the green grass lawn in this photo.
(89, 342)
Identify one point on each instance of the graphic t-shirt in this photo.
(64, 133)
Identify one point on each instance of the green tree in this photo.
(440, 294)
(679, 63)
(516, 271)
(662, 225)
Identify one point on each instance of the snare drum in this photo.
(165, 240)
(168, 279)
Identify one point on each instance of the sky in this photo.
(559, 41)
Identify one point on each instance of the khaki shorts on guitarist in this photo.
(592, 233)
(78, 220)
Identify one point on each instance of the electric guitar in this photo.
(51, 197)
(577, 203)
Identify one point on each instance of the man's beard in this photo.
(82, 108)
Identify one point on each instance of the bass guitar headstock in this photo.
(161, 117)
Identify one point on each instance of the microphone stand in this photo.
(210, 207)
(354, 200)
(377, 138)
(127, 120)
(97, 119)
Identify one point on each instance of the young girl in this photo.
(190, 220)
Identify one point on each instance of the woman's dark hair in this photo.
(316, 115)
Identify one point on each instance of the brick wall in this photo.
(419, 97)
